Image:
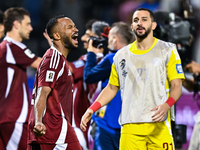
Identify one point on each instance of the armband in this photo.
(95, 106)
(170, 101)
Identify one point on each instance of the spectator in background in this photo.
(194, 68)
(88, 33)
(108, 129)
(51, 114)
(192, 84)
(14, 97)
(168, 7)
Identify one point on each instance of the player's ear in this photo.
(2, 28)
(56, 36)
(16, 24)
(132, 27)
(114, 41)
(154, 24)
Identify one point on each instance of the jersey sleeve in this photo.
(23, 56)
(48, 73)
(93, 72)
(114, 80)
(174, 67)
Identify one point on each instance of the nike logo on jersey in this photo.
(50, 76)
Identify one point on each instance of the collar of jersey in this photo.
(9, 39)
(52, 47)
(133, 48)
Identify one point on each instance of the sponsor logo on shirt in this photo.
(122, 66)
(29, 53)
(179, 68)
(156, 61)
(50, 76)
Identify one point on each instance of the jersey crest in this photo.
(49, 76)
(29, 53)
(179, 68)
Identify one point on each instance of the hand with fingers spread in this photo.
(161, 112)
(39, 129)
(85, 118)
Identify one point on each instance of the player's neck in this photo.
(146, 43)
(14, 36)
(61, 48)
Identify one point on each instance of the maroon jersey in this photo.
(83, 93)
(54, 72)
(14, 97)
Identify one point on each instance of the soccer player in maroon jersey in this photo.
(51, 114)
(83, 93)
(14, 97)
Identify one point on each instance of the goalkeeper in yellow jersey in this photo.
(149, 74)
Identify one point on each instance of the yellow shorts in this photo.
(143, 136)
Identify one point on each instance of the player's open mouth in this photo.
(75, 38)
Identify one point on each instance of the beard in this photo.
(23, 36)
(67, 43)
(143, 36)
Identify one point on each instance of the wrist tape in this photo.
(170, 101)
(95, 106)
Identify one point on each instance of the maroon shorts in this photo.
(13, 136)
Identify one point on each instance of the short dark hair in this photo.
(123, 30)
(150, 12)
(51, 24)
(12, 14)
(1, 17)
(88, 25)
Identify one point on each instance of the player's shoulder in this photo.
(123, 50)
(52, 53)
(109, 55)
(14, 44)
(53, 57)
(165, 44)
(18, 49)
